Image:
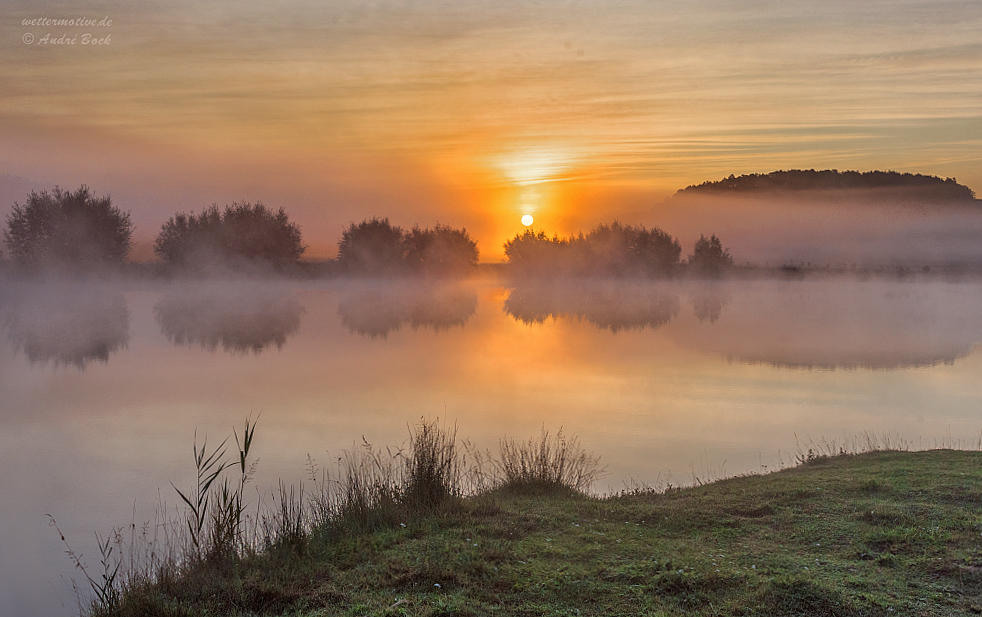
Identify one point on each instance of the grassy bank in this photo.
(879, 533)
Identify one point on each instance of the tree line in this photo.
(945, 189)
(615, 250)
(78, 231)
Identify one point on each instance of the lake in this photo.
(104, 388)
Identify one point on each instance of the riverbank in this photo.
(880, 533)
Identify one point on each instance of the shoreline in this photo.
(879, 532)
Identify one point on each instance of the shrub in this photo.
(629, 250)
(440, 250)
(607, 250)
(709, 257)
(535, 253)
(374, 245)
(68, 230)
(242, 232)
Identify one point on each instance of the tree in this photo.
(69, 230)
(374, 245)
(608, 250)
(537, 254)
(243, 231)
(709, 256)
(440, 250)
(629, 250)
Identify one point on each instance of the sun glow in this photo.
(527, 220)
(534, 165)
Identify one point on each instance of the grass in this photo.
(547, 464)
(428, 530)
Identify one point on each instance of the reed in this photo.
(436, 520)
(369, 490)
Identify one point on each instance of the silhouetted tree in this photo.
(190, 238)
(440, 250)
(243, 231)
(256, 232)
(608, 250)
(629, 250)
(66, 229)
(374, 245)
(709, 256)
(535, 253)
(943, 189)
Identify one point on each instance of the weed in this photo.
(547, 464)
(106, 588)
(432, 474)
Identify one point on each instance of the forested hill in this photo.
(946, 189)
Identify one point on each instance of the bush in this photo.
(608, 250)
(535, 253)
(68, 230)
(629, 250)
(441, 250)
(243, 232)
(375, 246)
(709, 257)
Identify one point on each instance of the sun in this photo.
(527, 220)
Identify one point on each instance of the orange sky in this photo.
(474, 113)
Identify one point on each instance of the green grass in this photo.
(880, 533)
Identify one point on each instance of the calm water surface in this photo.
(103, 387)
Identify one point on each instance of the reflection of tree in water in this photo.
(841, 324)
(614, 306)
(68, 328)
(238, 322)
(708, 303)
(383, 308)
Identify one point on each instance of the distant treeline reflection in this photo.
(614, 306)
(67, 327)
(375, 310)
(239, 322)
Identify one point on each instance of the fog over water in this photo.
(240, 318)
(375, 309)
(105, 384)
(864, 228)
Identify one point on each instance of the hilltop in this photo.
(925, 187)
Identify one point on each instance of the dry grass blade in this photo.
(547, 464)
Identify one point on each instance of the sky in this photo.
(474, 113)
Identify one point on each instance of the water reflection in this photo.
(708, 302)
(839, 324)
(824, 324)
(614, 306)
(66, 326)
(376, 309)
(238, 319)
